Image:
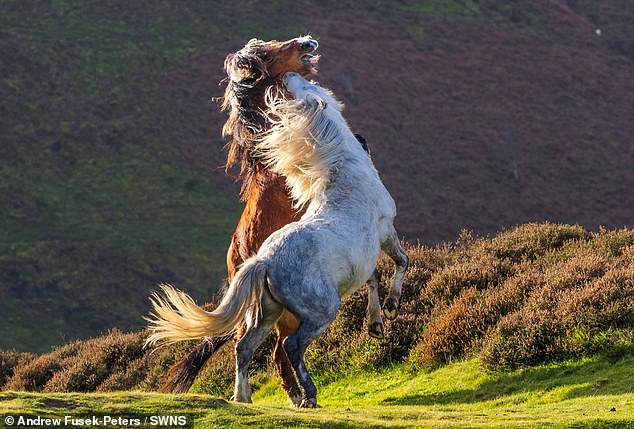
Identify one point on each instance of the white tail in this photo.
(177, 317)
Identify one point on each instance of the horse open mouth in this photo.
(310, 58)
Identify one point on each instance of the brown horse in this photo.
(252, 71)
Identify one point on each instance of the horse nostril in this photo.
(306, 46)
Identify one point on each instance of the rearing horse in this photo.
(309, 265)
(252, 71)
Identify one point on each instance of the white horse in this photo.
(308, 266)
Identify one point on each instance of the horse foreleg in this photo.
(286, 325)
(375, 323)
(392, 247)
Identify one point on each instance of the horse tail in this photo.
(176, 316)
(181, 376)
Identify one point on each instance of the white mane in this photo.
(305, 144)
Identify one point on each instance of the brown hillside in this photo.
(480, 114)
(479, 122)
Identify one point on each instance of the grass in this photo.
(99, 202)
(578, 393)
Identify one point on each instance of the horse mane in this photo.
(305, 144)
(244, 98)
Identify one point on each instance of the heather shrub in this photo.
(131, 378)
(443, 339)
(627, 254)
(595, 315)
(96, 360)
(532, 294)
(80, 366)
(78, 375)
(579, 310)
(565, 277)
(608, 300)
(460, 327)
(480, 271)
(523, 338)
(34, 375)
(615, 242)
(9, 360)
(532, 240)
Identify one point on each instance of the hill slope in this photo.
(479, 114)
(592, 393)
(531, 295)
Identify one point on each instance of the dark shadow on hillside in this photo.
(593, 378)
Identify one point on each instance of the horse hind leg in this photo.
(256, 331)
(313, 322)
(285, 326)
(392, 247)
(375, 323)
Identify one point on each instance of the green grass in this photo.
(577, 394)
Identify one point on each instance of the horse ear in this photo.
(245, 68)
(314, 102)
(363, 142)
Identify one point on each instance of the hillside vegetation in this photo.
(533, 327)
(480, 115)
(536, 294)
(591, 393)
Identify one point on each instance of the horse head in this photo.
(260, 60)
(252, 70)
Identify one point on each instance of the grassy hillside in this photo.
(531, 328)
(528, 296)
(589, 393)
(480, 115)
(99, 203)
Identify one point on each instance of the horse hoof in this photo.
(375, 330)
(309, 403)
(238, 397)
(390, 308)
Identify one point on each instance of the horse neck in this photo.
(250, 112)
(246, 121)
(268, 208)
(352, 175)
(354, 180)
(268, 186)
